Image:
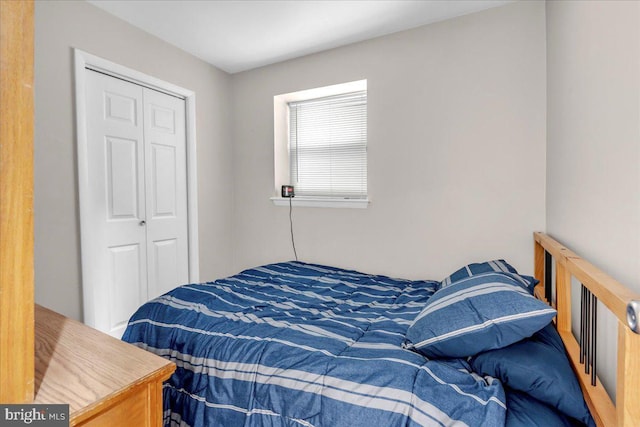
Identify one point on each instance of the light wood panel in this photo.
(598, 401)
(563, 297)
(609, 291)
(628, 389)
(538, 262)
(133, 409)
(557, 250)
(615, 296)
(16, 201)
(105, 381)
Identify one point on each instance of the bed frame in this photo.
(622, 302)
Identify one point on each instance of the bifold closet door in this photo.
(136, 200)
(166, 192)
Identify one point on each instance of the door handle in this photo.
(142, 223)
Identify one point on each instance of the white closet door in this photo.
(137, 200)
(166, 192)
(115, 151)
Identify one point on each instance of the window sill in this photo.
(321, 202)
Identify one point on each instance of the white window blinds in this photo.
(328, 146)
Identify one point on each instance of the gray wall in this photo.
(61, 26)
(456, 129)
(593, 164)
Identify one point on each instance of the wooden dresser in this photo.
(105, 381)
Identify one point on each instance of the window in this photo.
(320, 146)
(328, 146)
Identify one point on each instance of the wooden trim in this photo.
(557, 250)
(615, 297)
(156, 403)
(16, 202)
(628, 378)
(608, 290)
(597, 398)
(563, 297)
(538, 263)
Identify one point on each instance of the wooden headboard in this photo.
(621, 301)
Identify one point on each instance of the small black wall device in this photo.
(287, 191)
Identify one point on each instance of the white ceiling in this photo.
(243, 34)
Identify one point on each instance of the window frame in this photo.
(281, 147)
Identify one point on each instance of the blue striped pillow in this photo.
(497, 265)
(482, 312)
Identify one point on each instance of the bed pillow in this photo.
(539, 367)
(525, 411)
(497, 265)
(482, 312)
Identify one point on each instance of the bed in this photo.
(298, 344)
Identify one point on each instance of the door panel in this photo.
(126, 284)
(162, 119)
(115, 147)
(166, 189)
(120, 108)
(122, 178)
(163, 165)
(167, 273)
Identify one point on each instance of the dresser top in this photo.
(83, 367)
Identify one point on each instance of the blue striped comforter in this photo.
(295, 344)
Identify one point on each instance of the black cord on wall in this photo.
(293, 243)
